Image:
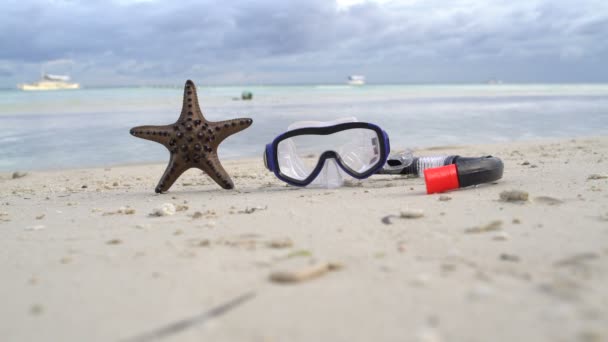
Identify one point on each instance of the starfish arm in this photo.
(190, 107)
(160, 134)
(215, 170)
(230, 127)
(172, 173)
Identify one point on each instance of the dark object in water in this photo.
(247, 95)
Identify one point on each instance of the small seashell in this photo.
(166, 209)
(304, 274)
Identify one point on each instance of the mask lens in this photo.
(362, 151)
(358, 149)
(297, 157)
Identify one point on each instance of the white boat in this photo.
(356, 80)
(50, 82)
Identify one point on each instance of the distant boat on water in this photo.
(494, 81)
(356, 80)
(50, 82)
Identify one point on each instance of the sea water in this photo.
(90, 127)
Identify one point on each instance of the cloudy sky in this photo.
(120, 42)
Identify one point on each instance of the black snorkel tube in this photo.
(443, 173)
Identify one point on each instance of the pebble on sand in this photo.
(166, 209)
(509, 257)
(501, 236)
(387, 219)
(120, 211)
(514, 196)
(280, 243)
(547, 200)
(252, 210)
(114, 242)
(591, 177)
(490, 227)
(36, 309)
(411, 213)
(444, 198)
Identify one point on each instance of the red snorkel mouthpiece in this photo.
(462, 172)
(441, 179)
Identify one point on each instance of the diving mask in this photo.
(324, 153)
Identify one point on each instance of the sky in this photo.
(223, 42)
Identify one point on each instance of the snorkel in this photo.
(444, 173)
(357, 149)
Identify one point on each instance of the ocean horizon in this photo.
(90, 127)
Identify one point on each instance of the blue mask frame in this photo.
(271, 155)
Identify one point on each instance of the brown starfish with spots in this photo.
(192, 141)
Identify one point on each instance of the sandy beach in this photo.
(96, 255)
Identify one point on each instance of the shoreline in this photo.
(86, 256)
(423, 149)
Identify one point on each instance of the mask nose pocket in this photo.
(331, 175)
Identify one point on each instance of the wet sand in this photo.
(96, 255)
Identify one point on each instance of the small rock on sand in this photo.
(501, 236)
(114, 242)
(280, 243)
(120, 211)
(387, 219)
(252, 210)
(490, 227)
(36, 310)
(547, 200)
(166, 209)
(444, 198)
(411, 213)
(509, 257)
(514, 196)
(197, 215)
(591, 177)
(576, 259)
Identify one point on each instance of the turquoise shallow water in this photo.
(90, 127)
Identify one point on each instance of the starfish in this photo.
(192, 141)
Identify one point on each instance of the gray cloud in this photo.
(306, 40)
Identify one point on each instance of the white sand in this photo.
(80, 273)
